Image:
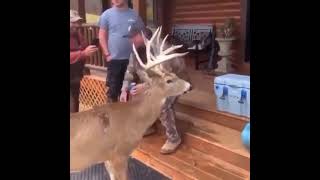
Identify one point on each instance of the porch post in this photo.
(82, 9)
(243, 28)
(140, 7)
(158, 15)
(106, 4)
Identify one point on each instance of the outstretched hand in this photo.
(90, 50)
(123, 96)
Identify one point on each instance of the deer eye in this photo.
(169, 81)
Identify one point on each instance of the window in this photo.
(151, 13)
(93, 10)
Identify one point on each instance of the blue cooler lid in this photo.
(236, 80)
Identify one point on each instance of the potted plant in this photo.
(225, 37)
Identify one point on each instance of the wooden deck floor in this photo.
(188, 162)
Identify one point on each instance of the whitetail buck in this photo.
(111, 132)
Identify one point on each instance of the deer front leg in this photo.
(117, 168)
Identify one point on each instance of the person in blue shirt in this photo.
(116, 48)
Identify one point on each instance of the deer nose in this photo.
(187, 90)
(190, 88)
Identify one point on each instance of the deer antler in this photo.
(162, 55)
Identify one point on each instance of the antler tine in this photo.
(150, 58)
(155, 34)
(163, 43)
(148, 46)
(145, 40)
(169, 50)
(159, 36)
(162, 56)
(138, 57)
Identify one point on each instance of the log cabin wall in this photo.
(205, 11)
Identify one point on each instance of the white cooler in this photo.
(233, 94)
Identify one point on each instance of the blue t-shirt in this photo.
(117, 23)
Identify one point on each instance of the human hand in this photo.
(90, 50)
(137, 89)
(123, 96)
(107, 56)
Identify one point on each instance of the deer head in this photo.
(169, 83)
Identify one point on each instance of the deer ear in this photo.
(144, 76)
(151, 73)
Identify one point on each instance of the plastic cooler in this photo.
(233, 94)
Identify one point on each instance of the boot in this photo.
(170, 147)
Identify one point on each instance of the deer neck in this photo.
(149, 106)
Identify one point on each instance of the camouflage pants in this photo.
(167, 118)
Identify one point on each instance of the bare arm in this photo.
(103, 39)
(81, 55)
(75, 56)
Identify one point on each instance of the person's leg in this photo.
(115, 76)
(74, 97)
(123, 68)
(167, 118)
(112, 73)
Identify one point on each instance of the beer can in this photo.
(129, 89)
(131, 85)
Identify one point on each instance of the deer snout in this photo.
(188, 88)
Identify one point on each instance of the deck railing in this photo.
(90, 32)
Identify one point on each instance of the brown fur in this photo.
(111, 132)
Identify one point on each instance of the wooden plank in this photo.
(205, 163)
(224, 119)
(202, 1)
(218, 23)
(215, 140)
(208, 11)
(211, 6)
(201, 143)
(190, 14)
(209, 19)
(215, 133)
(210, 164)
(224, 166)
(151, 146)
